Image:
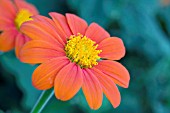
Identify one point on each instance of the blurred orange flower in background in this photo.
(12, 14)
(165, 2)
(73, 56)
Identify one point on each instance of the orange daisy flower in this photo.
(73, 56)
(12, 14)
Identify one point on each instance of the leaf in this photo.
(158, 91)
(90, 10)
(141, 31)
(22, 72)
(52, 6)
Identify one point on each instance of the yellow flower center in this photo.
(22, 16)
(82, 50)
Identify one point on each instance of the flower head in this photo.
(82, 50)
(74, 55)
(12, 14)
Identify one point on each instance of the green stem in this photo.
(42, 101)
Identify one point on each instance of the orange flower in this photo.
(12, 15)
(75, 55)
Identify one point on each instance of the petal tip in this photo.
(54, 13)
(117, 105)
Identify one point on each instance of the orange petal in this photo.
(7, 8)
(38, 51)
(112, 48)
(96, 33)
(38, 30)
(21, 4)
(109, 87)
(6, 23)
(45, 74)
(53, 28)
(77, 25)
(92, 89)
(42, 44)
(47, 21)
(7, 40)
(68, 82)
(116, 71)
(61, 23)
(19, 42)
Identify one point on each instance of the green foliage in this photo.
(22, 73)
(144, 26)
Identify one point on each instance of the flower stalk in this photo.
(42, 101)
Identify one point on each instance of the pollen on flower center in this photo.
(22, 16)
(82, 50)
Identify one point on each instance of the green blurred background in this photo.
(143, 25)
